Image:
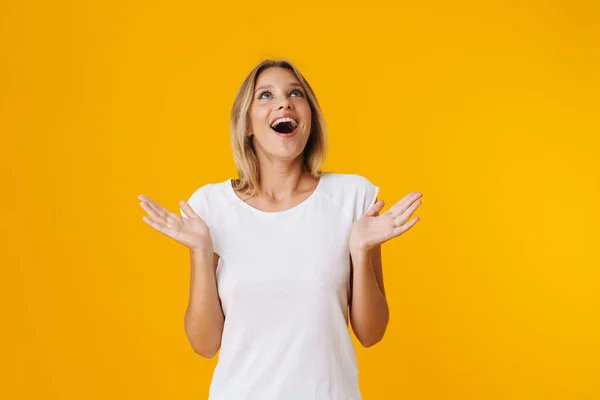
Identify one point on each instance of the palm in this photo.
(373, 229)
(191, 232)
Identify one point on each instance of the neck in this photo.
(280, 179)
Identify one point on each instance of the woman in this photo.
(279, 255)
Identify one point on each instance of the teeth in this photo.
(280, 120)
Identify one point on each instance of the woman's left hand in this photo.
(373, 229)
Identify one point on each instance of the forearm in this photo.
(369, 311)
(204, 316)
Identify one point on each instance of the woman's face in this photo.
(277, 94)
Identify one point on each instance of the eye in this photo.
(261, 95)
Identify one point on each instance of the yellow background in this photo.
(489, 109)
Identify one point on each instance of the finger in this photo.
(400, 219)
(159, 227)
(375, 208)
(410, 223)
(403, 228)
(163, 211)
(156, 207)
(404, 203)
(187, 209)
(155, 216)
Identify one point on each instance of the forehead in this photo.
(276, 76)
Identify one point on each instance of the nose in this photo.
(285, 103)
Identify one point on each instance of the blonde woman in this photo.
(279, 255)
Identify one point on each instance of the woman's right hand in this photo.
(191, 232)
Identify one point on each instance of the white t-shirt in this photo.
(283, 281)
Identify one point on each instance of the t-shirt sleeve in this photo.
(366, 195)
(199, 204)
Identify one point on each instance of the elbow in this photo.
(206, 352)
(205, 344)
(370, 342)
(373, 336)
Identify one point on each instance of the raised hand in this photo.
(373, 229)
(191, 232)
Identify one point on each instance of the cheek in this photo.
(307, 115)
(258, 115)
(302, 107)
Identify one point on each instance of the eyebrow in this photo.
(296, 84)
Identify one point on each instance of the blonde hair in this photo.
(243, 149)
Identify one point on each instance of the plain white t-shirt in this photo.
(283, 281)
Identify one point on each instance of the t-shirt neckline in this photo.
(274, 213)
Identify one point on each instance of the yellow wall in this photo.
(490, 110)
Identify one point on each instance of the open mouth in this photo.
(284, 125)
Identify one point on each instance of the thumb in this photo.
(187, 210)
(375, 208)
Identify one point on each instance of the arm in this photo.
(369, 312)
(204, 317)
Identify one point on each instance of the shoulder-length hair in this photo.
(243, 149)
